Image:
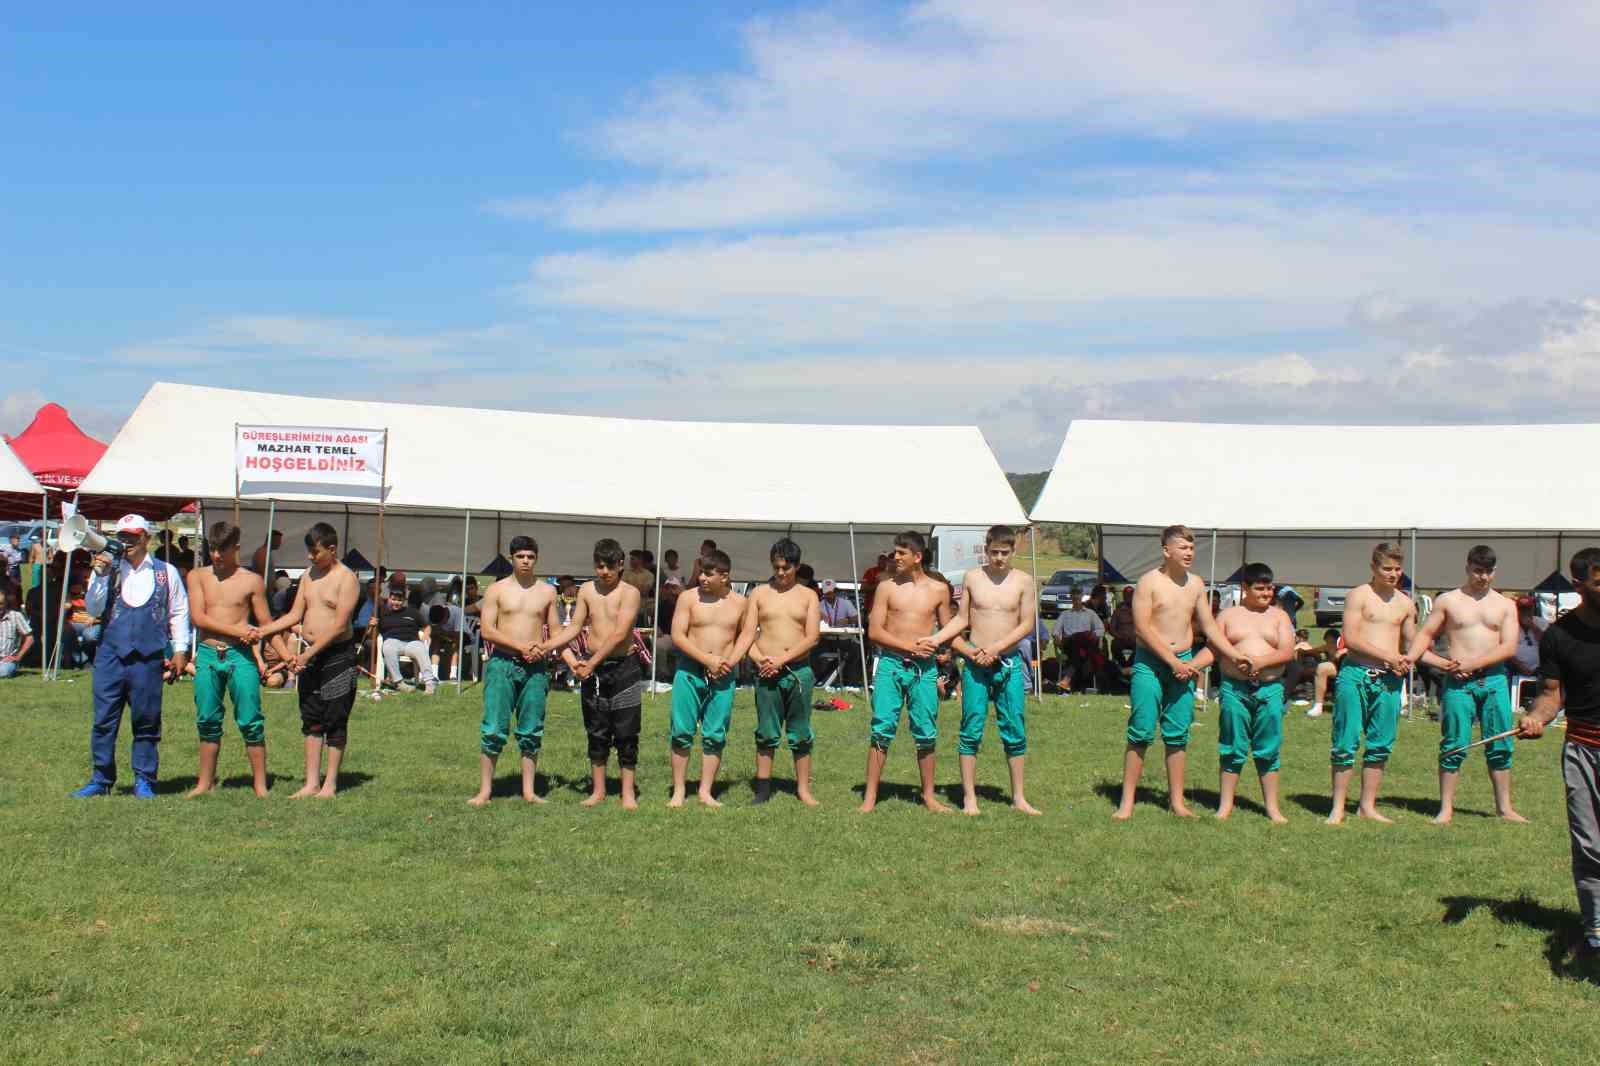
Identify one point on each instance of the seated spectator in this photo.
(404, 631)
(806, 575)
(838, 612)
(84, 628)
(1077, 634)
(16, 636)
(670, 559)
(1530, 629)
(1124, 638)
(869, 580)
(1328, 655)
(1099, 602)
(447, 626)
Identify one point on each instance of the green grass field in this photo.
(395, 924)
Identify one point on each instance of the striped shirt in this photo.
(13, 627)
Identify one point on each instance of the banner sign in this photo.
(297, 457)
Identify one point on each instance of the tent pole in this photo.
(1416, 600)
(266, 564)
(655, 623)
(377, 605)
(1099, 553)
(461, 632)
(236, 473)
(61, 612)
(44, 587)
(1038, 651)
(861, 619)
(61, 616)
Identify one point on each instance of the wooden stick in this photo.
(1485, 740)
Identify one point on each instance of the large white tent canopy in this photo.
(19, 493)
(569, 479)
(1311, 501)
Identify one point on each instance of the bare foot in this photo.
(1223, 812)
(1277, 818)
(707, 800)
(261, 791)
(532, 797)
(808, 799)
(594, 799)
(308, 789)
(1337, 817)
(326, 792)
(675, 800)
(1181, 810)
(1443, 817)
(630, 802)
(866, 807)
(1026, 808)
(1372, 814)
(1509, 815)
(935, 806)
(1122, 814)
(200, 790)
(970, 808)
(479, 800)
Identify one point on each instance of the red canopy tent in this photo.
(60, 456)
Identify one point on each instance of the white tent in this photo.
(1311, 501)
(20, 494)
(569, 479)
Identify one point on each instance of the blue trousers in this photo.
(135, 684)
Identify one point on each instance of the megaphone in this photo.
(76, 532)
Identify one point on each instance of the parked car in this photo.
(1330, 605)
(29, 531)
(1055, 596)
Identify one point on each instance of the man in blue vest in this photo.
(149, 614)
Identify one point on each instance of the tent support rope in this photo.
(655, 622)
(1038, 649)
(461, 632)
(861, 619)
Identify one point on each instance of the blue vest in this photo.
(140, 631)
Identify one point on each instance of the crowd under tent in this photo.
(568, 480)
(1312, 501)
(459, 482)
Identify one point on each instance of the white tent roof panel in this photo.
(1262, 477)
(179, 442)
(18, 490)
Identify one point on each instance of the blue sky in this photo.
(952, 211)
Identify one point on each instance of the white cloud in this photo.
(273, 340)
(1288, 371)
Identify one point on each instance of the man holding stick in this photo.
(1480, 626)
(1569, 675)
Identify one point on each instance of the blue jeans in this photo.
(136, 684)
(8, 669)
(85, 638)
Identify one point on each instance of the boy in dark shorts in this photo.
(610, 678)
(326, 667)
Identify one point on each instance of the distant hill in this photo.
(1027, 487)
(1072, 538)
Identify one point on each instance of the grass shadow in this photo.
(246, 781)
(893, 790)
(986, 793)
(1111, 791)
(508, 785)
(1429, 807)
(1318, 803)
(1208, 797)
(168, 786)
(1561, 926)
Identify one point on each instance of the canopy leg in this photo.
(1038, 647)
(655, 623)
(861, 619)
(461, 633)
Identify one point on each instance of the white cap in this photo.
(132, 523)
